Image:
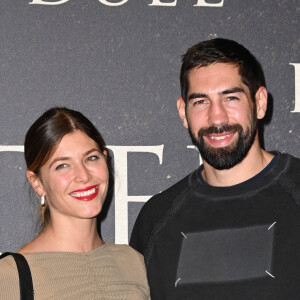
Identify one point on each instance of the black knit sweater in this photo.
(238, 242)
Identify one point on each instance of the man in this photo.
(231, 229)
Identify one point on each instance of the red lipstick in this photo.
(86, 194)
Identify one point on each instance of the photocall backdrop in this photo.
(118, 62)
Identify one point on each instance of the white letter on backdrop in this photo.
(113, 4)
(203, 3)
(297, 87)
(158, 3)
(194, 147)
(121, 186)
(48, 3)
(11, 148)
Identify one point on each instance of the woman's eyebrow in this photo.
(58, 159)
(90, 151)
(66, 158)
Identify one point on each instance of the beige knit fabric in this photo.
(110, 272)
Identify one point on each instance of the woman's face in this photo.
(75, 178)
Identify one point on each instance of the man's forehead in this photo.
(216, 78)
(219, 66)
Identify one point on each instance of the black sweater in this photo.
(238, 242)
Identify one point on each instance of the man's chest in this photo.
(251, 248)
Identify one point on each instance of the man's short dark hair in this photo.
(222, 51)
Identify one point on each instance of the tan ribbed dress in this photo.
(109, 272)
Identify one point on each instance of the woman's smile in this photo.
(86, 194)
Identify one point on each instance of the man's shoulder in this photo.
(292, 158)
(288, 177)
(290, 164)
(166, 197)
(154, 210)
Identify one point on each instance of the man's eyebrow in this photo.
(233, 90)
(225, 92)
(196, 95)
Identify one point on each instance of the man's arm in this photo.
(144, 225)
(153, 211)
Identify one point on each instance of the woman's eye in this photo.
(61, 166)
(92, 158)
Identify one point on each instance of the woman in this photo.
(67, 168)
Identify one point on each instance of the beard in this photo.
(226, 157)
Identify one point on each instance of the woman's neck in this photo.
(66, 236)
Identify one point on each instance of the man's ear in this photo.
(261, 98)
(35, 183)
(181, 111)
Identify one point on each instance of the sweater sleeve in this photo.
(151, 214)
(142, 230)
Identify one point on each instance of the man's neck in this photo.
(255, 161)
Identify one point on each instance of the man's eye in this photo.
(231, 98)
(199, 102)
(61, 166)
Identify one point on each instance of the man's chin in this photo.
(227, 152)
(221, 158)
(219, 151)
(221, 163)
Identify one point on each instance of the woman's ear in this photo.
(35, 183)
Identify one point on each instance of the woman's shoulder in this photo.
(128, 263)
(122, 249)
(9, 279)
(125, 256)
(8, 265)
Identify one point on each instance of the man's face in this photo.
(220, 115)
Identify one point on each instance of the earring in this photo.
(43, 200)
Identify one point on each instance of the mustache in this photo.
(220, 129)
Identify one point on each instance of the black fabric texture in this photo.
(238, 242)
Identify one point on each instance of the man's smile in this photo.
(220, 139)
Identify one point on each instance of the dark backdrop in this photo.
(119, 65)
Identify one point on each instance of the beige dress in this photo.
(112, 272)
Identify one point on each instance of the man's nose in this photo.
(217, 114)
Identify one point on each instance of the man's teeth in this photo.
(85, 193)
(219, 138)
